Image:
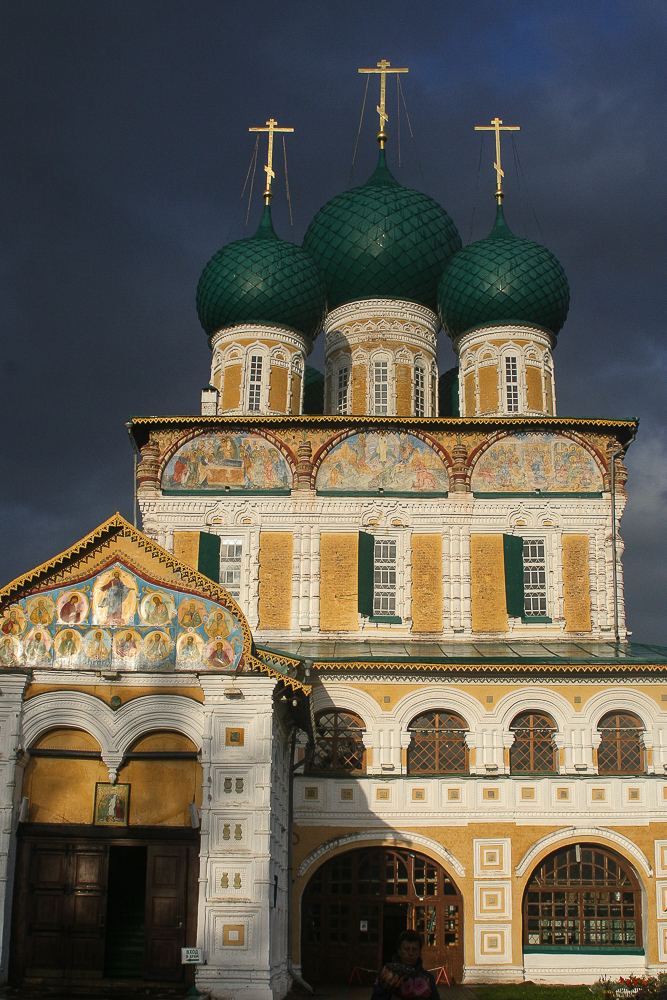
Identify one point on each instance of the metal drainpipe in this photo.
(128, 427)
(614, 456)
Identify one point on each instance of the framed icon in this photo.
(112, 804)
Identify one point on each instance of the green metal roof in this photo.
(503, 279)
(382, 240)
(262, 279)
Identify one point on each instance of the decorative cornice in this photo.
(383, 836)
(510, 330)
(385, 309)
(579, 834)
(259, 331)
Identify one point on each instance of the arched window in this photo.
(438, 744)
(621, 750)
(582, 895)
(338, 742)
(533, 750)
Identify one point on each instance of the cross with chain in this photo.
(498, 127)
(383, 67)
(271, 127)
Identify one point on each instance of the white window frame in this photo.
(539, 590)
(511, 380)
(420, 367)
(385, 565)
(237, 542)
(263, 358)
(342, 399)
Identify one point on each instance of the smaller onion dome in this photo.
(262, 279)
(382, 240)
(503, 279)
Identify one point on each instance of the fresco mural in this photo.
(530, 461)
(213, 461)
(383, 460)
(119, 620)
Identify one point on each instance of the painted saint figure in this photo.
(36, 648)
(40, 615)
(219, 658)
(156, 612)
(189, 652)
(191, 618)
(7, 654)
(216, 626)
(72, 610)
(116, 592)
(157, 647)
(67, 645)
(126, 646)
(11, 625)
(96, 648)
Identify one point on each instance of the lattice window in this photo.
(338, 742)
(426, 878)
(231, 552)
(621, 750)
(582, 896)
(420, 391)
(534, 578)
(342, 390)
(255, 382)
(396, 875)
(381, 387)
(438, 744)
(511, 385)
(384, 578)
(533, 750)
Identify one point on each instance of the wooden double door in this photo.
(356, 905)
(102, 907)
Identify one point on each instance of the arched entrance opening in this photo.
(356, 904)
(582, 897)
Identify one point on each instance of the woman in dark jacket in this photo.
(412, 981)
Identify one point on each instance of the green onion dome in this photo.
(503, 279)
(382, 240)
(262, 279)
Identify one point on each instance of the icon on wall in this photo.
(112, 804)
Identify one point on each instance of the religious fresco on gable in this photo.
(386, 460)
(213, 461)
(536, 461)
(118, 620)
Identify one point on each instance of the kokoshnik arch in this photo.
(366, 665)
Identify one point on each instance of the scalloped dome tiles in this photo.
(503, 279)
(262, 279)
(382, 240)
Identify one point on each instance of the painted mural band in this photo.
(536, 461)
(389, 460)
(117, 619)
(216, 460)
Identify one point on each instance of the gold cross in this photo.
(272, 126)
(498, 127)
(383, 69)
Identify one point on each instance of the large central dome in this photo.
(382, 240)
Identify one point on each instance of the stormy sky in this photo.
(124, 147)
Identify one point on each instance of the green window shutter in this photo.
(209, 556)
(513, 553)
(365, 574)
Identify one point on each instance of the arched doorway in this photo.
(356, 904)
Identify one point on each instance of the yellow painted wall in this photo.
(487, 571)
(186, 547)
(469, 390)
(404, 390)
(339, 555)
(358, 382)
(278, 389)
(275, 579)
(488, 389)
(107, 691)
(534, 388)
(231, 387)
(547, 384)
(296, 393)
(576, 583)
(426, 583)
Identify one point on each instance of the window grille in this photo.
(342, 390)
(384, 578)
(511, 385)
(582, 896)
(255, 382)
(420, 391)
(533, 750)
(438, 744)
(381, 386)
(231, 551)
(338, 742)
(621, 750)
(534, 578)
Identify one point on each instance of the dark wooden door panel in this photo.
(166, 882)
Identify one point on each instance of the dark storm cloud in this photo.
(123, 154)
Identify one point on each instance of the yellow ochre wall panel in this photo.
(488, 389)
(547, 384)
(339, 557)
(426, 583)
(186, 547)
(278, 389)
(358, 381)
(487, 592)
(231, 387)
(534, 388)
(296, 393)
(107, 691)
(576, 584)
(275, 579)
(469, 387)
(403, 390)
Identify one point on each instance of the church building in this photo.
(365, 666)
